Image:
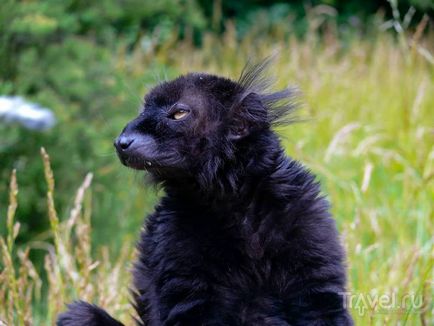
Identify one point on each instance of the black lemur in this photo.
(242, 235)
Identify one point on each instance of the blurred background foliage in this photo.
(92, 61)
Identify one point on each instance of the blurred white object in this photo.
(30, 115)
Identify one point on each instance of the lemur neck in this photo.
(236, 180)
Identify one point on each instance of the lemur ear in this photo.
(257, 106)
(247, 115)
(238, 132)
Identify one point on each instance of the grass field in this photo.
(368, 133)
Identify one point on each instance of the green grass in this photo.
(368, 135)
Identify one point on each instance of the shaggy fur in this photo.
(242, 235)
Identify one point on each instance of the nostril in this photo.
(124, 142)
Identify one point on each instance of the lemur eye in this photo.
(178, 115)
(178, 112)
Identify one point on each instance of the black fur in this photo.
(243, 235)
(83, 313)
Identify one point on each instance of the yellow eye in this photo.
(179, 114)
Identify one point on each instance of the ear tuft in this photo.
(272, 107)
(248, 115)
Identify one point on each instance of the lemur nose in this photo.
(123, 142)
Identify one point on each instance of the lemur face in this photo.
(180, 122)
(198, 124)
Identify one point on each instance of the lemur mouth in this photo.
(136, 152)
(138, 163)
(151, 166)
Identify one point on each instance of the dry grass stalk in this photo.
(71, 271)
